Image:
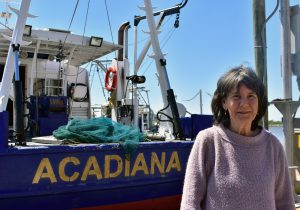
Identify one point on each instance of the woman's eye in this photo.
(252, 96)
(235, 97)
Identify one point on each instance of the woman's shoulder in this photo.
(273, 140)
(207, 135)
(206, 132)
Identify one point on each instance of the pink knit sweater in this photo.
(227, 171)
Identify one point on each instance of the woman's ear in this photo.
(224, 104)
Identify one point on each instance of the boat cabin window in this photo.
(50, 87)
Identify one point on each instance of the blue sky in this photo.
(212, 37)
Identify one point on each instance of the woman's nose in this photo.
(244, 101)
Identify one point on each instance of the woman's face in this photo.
(242, 105)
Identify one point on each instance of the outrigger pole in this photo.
(165, 12)
(16, 41)
(167, 92)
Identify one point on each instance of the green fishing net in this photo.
(100, 130)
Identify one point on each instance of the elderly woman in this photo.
(237, 164)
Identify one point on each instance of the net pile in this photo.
(100, 130)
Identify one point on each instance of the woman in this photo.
(237, 164)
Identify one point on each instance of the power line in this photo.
(193, 96)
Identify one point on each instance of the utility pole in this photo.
(260, 49)
(287, 106)
(200, 95)
(287, 79)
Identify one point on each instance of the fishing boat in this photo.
(50, 89)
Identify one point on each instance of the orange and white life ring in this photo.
(111, 82)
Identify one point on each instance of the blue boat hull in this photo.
(93, 176)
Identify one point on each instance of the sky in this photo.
(212, 37)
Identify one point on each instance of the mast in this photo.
(12, 63)
(160, 61)
(16, 40)
(162, 76)
(137, 63)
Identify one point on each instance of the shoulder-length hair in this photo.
(234, 78)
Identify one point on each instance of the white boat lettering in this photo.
(93, 167)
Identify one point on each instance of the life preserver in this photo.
(113, 85)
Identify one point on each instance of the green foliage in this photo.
(275, 123)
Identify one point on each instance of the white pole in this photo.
(155, 45)
(134, 91)
(8, 69)
(137, 63)
(159, 57)
(147, 46)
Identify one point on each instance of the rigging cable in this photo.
(84, 68)
(109, 23)
(77, 73)
(142, 97)
(90, 72)
(101, 83)
(61, 46)
(74, 12)
(6, 26)
(112, 38)
(163, 45)
(146, 38)
(160, 112)
(86, 17)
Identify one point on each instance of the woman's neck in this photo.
(244, 130)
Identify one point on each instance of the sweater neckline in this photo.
(238, 139)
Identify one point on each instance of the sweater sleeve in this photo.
(195, 181)
(283, 191)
